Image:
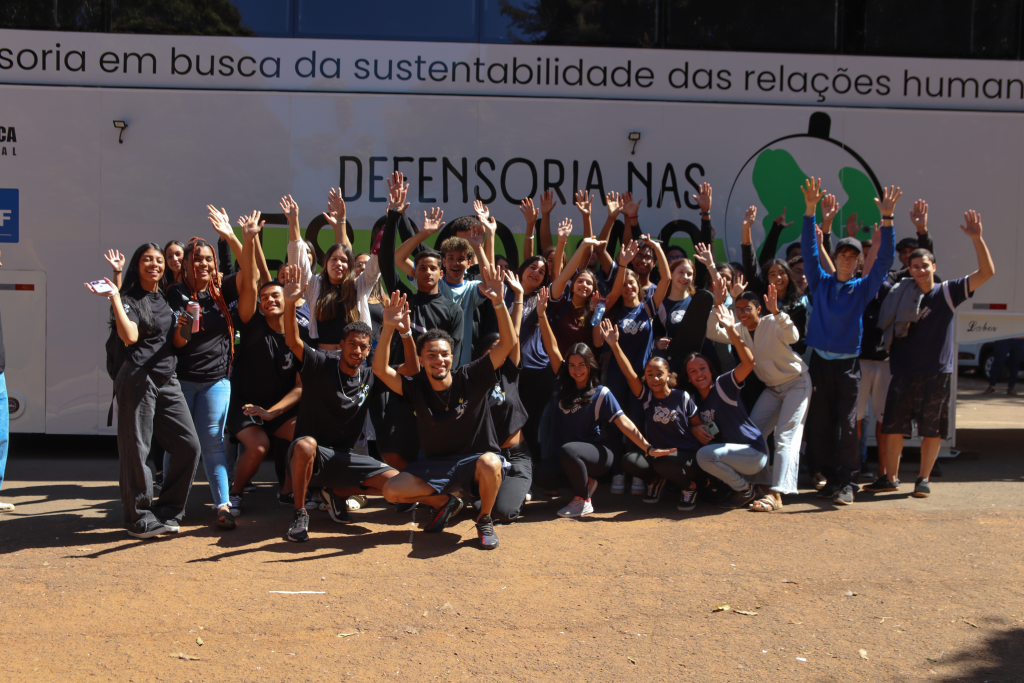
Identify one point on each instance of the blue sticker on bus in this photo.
(8, 215)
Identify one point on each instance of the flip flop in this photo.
(225, 519)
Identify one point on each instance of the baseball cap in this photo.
(851, 242)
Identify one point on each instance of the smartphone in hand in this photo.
(101, 287)
(186, 330)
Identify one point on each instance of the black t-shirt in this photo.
(264, 369)
(154, 350)
(456, 421)
(333, 404)
(206, 356)
(428, 312)
(507, 411)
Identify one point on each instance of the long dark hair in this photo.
(214, 287)
(168, 278)
(529, 262)
(132, 292)
(565, 386)
(341, 297)
(792, 295)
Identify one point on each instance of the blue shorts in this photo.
(451, 475)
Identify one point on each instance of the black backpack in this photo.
(117, 352)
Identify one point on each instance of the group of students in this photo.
(562, 372)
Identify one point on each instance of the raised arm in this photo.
(614, 202)
(746, 365)
(493, 289)
(829, 211)
(116, 261)
(610, 334)
(785, 329)
(127, 331)
(707, 236)
(547, 335)
(872, 252)
(919, 217)
(665, 282)
(575, 263)
(432, 223)
(222, 226)
(627, 254)
(396, 310)
(702, 254)
(771, 240)
(386, 255)
(887, 241)
(336, 216)
(483, 235)
(247, 289)
(813, 193)
(547, 205)
(986, 268)
(530, 216)
(517, 312)
(584, 201)
(291, 282)
(298, 253)
(824, 243)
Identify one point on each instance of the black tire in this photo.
(984, 364)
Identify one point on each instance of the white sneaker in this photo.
(6, 507)
(619, 484)
(577, 508)
(235, 504)
(638, 488)
(528, 497)
(355, 502)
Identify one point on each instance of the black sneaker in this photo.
(485, 530)
(738, 499)
(921, 488)
(249, 488)
(882, 485)
(336, 507)
(828, 491)
(444, 513)
(406, 507)
(654, 489)
(299, 530)
(844, 496)
(287, 499)
(153, 528)
(172, 525)
(688, 500)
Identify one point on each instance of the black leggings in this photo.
(680, 469)
(578, 461)
(535, 389)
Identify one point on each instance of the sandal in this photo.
(225, 519)
(766, 504)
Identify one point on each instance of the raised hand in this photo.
(336, 204)
(491, 287)
(738, 285)
(432, 221)
(614, 203)
(397, 191)
(609, 331)
(482, 212)
(771, 300)
(251, 224)
(749, 217)
(852, 226)
(290, 277)
(542, 300)
(290, 208)
(813, 193)
(584, 201)
(513, 281)
(781, 219)
(724, 315)
(529, 211)
(592, 242)
(718, 287)
(702, 252)
(890, 195)
(628, 253)
(476, 236)
(396, 313)
(220, 221)
(547, 202)
(105, 295)
(564, 229)
(829, 208)
(704, 198)
(630, 206)
(115, 259)
(973, 220)
(919, 215)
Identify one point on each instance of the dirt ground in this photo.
(891, 588)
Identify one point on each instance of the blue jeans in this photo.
(1003, 348)
(5, 425)
(733, 463)
(208, 403)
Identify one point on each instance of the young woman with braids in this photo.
(149, 399)
(203, 362)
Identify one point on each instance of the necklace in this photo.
(438, 394)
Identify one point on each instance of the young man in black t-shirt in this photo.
(452, 417)
(331, 416)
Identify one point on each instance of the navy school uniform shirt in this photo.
(929, 345)
(636, 333)
(724, 407)
(583, 420)
(534, 357)
(667, 420)
(670, 314)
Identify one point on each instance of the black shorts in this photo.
(341, 468)
(920, 398)
(449, 475)
(400, 434)
(237, 420)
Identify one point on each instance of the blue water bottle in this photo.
(598, 314)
